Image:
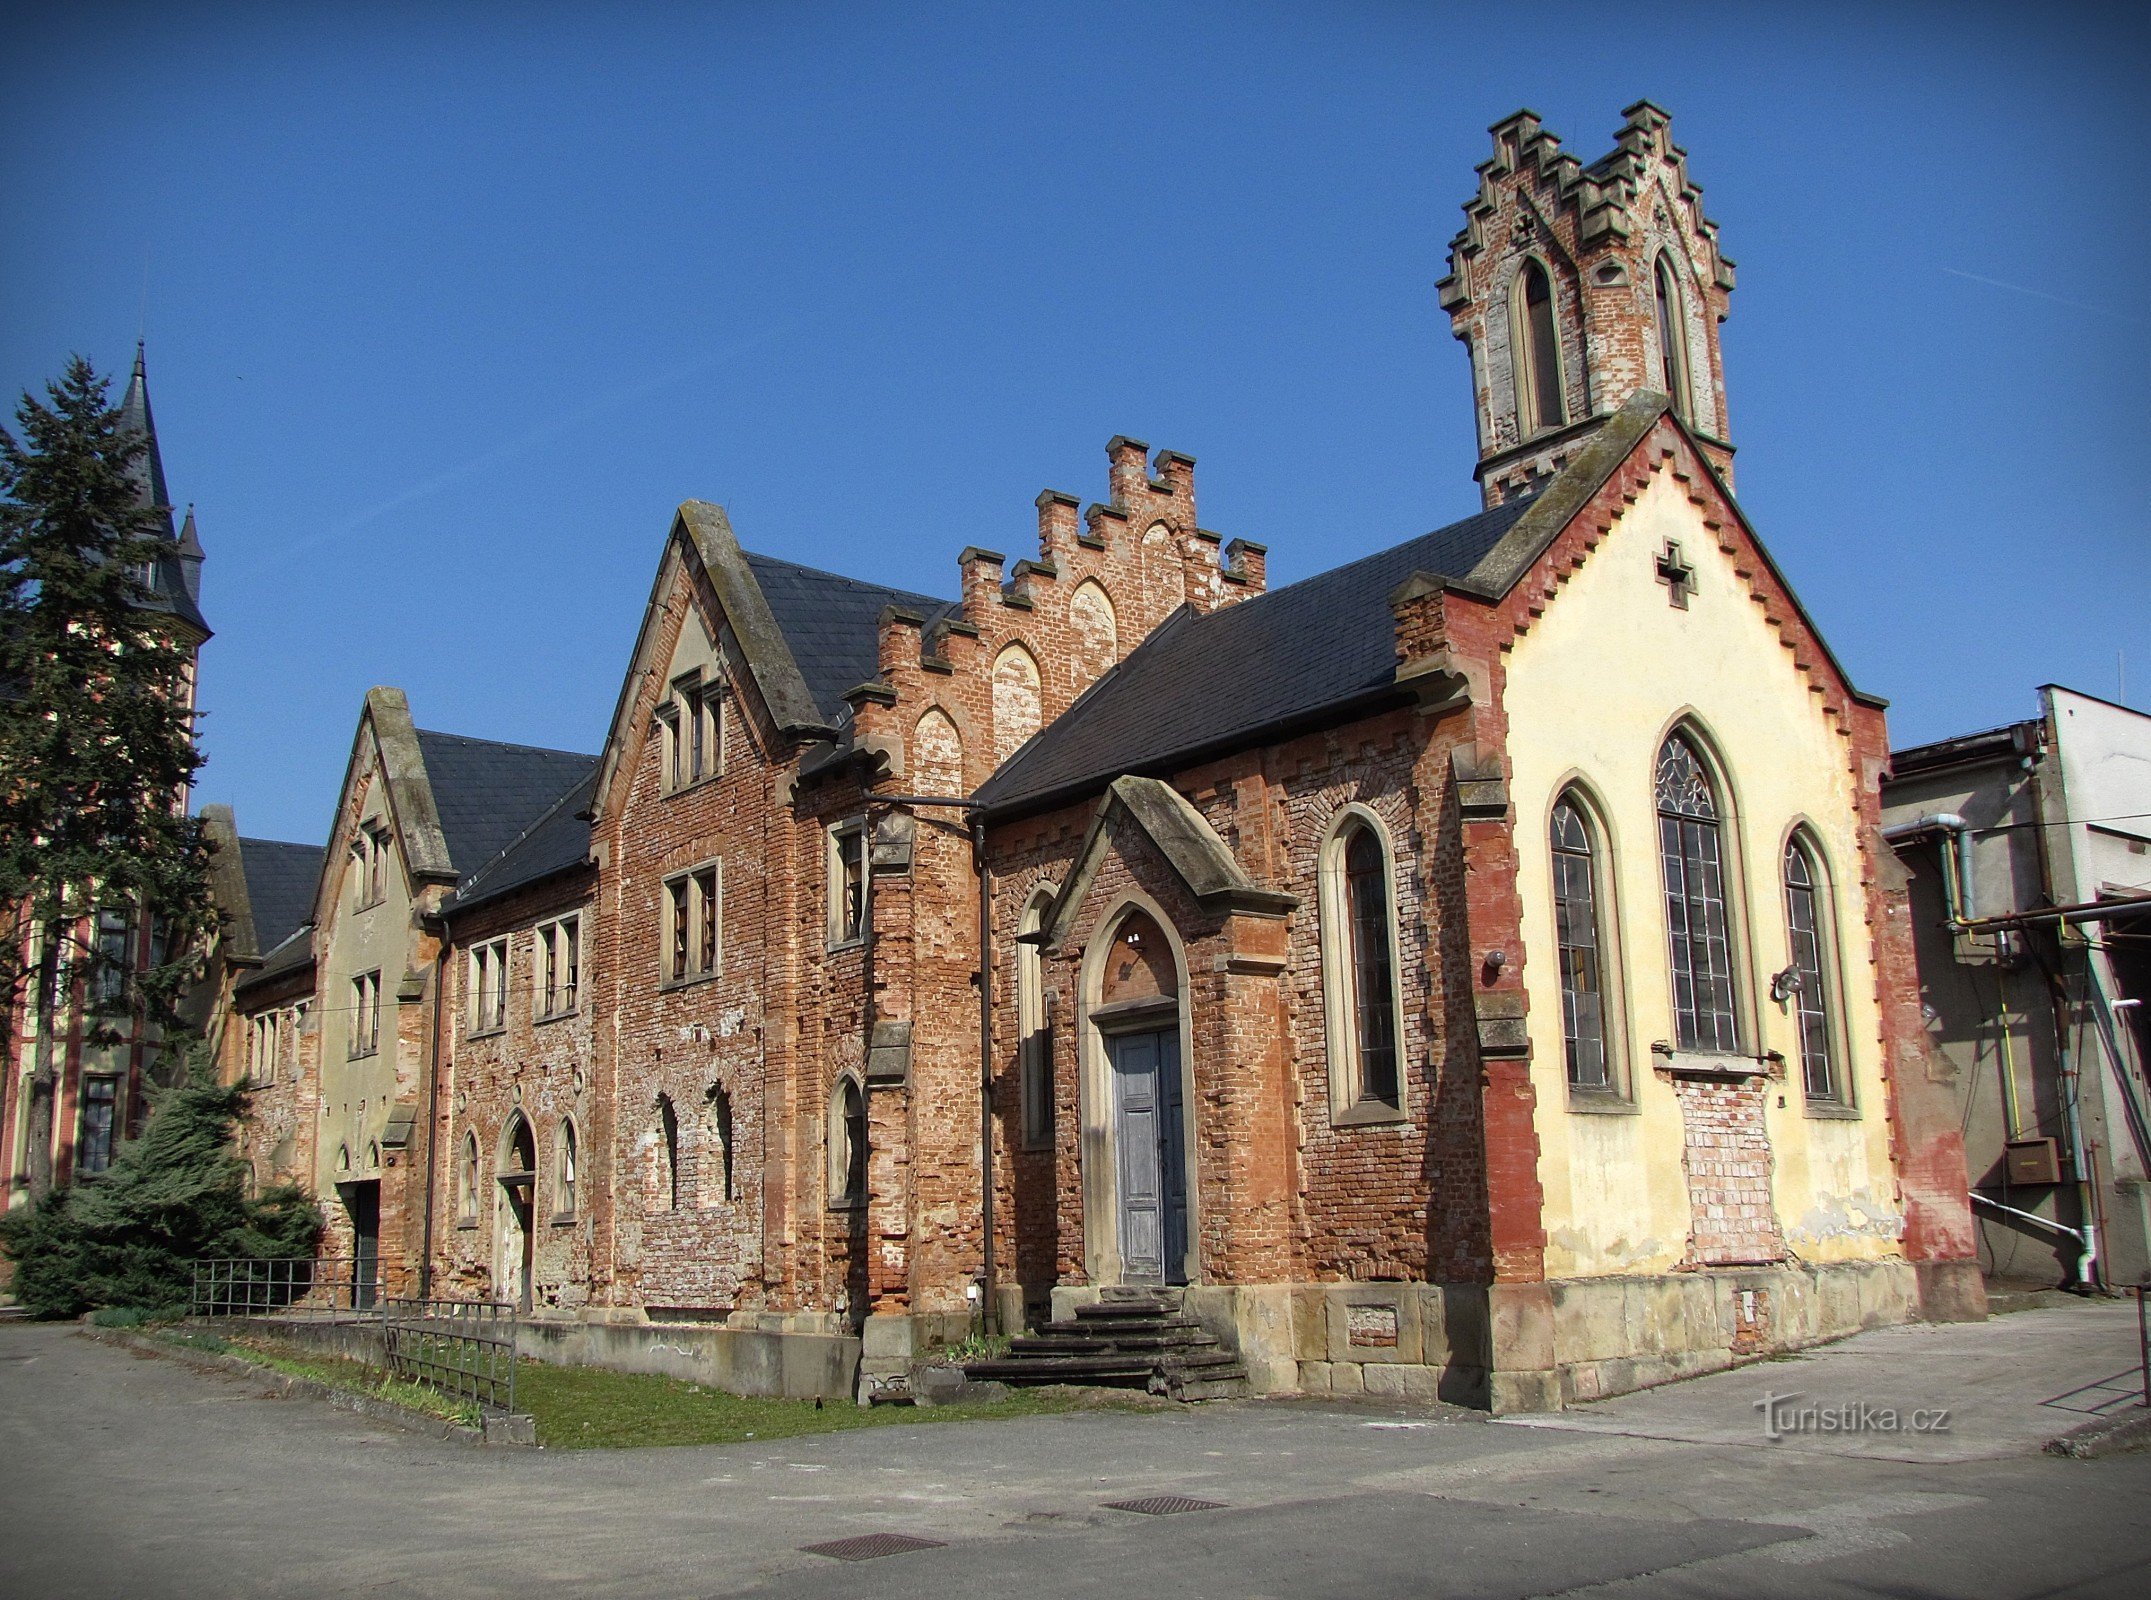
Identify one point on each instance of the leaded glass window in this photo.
(1807, 920)
(1696, 920)
(1583, 1018)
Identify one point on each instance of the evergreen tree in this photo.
(96, 738)
(131, 1235)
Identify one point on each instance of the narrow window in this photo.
(467, 1190)
(678, 927)
(675, 749)
(719, 1185)
(1696, 919)
(100, 1102)
(1034, 1032)
(365, 1031)
(705, 898)
(697, 733)
(564, 1191)
(848, 1136)
(668, 1155)
(559, 951)
(1807, 918)
(847, 882)
(488, 981)
(1672, 339)
(115, 949)
(1537, 356)
(376, 866)
(1373, 971)
(1583, 1021)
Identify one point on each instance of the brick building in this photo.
(1474, 970)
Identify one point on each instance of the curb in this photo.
(2108, 1436)
(518, 1430)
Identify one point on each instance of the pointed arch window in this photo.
(665, 1166)
(847, 1144)
(1672, 338)
(1697, 925)
(467, 1190)
(717, 1184)
(1807, 920)
(1577, 935)
(1359, 970)
(567, 1175)
(1537, 351)
(1034, 1025)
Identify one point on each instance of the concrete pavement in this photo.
(134, 1476)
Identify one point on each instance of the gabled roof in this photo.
(557, 841)
(1211, 681)
(295, 954)
(280, 880)
(486, 793)
(832, 624)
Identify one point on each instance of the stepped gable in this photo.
(1227, 678)
(487, 793)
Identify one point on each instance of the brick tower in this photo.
(1574, 287)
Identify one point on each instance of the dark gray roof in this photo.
(830, 623)
(1205, 683)
(280, 882)
(556, 842)
(295, 954)
(488, 793)
(172, 585)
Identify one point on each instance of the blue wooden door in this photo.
(1151, 1175)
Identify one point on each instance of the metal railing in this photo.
(289, 1287)
(464, 1349)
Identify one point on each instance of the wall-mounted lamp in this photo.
(1784, 985)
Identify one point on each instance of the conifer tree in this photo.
(131, 1235)
(96, 738)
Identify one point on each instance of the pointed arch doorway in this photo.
(517, 1212)
(1136, 1011)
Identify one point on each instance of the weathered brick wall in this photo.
(545, 1073)
(276, 1136)
(1726, 1156)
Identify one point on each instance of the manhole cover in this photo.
(869, 1545)
(1163, 1505)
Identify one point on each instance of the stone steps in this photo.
(1132, 1339)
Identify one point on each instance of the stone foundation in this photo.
(1541, 1346)
(790, 1362)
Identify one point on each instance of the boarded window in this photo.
(1016, 701)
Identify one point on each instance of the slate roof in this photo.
(295, 954)
(280, 882)
(559, 839)
(831, 624)
(170, 586)
(1213, 682)
(487, 793)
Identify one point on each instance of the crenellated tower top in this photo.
(1576, 286)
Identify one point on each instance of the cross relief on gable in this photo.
(1676, 574)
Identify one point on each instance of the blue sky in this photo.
(449, 306)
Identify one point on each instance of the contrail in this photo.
(512, 448)
(2041, 294)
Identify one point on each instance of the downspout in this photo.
(433, 1114)
(1956, 861)
(987, 1288)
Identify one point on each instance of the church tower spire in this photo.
(175, 577)
(1575, 287)
(148, 469)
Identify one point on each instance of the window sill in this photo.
(856, 942)
(1369, 1114)
(556, 1016)
(668, 985)
(467, 1225)
(692, 784)
(1601, 1103)
(362, 1055)
(563, 1219)
(1829, 1110)
(490, 1031)
(848, 1202)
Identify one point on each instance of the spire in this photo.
(190, 558)
(148, 470)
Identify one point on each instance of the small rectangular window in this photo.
(849, 884)
(489, 986)
(693, 921)
(559, 963)
(365, 1031)
(705, 897)
(100, 1104)
(115, 953)
(678, 928)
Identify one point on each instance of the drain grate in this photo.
(869, 1545)
(1163, 1505)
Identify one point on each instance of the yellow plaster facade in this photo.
(1592, 690)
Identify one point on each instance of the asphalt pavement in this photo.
(123, 1475)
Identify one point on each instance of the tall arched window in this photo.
(665, 1164)
(1672, 338)
(1536, 351)
(1577, 926)
(1807, 918)
(1034, 1035)
(566, 1174)
(467, 1189)
(717, 1185)
(1359, 968)
(847, 1144)
(1016, 700)
(1696, 920)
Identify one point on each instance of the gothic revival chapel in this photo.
(1474, 970)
